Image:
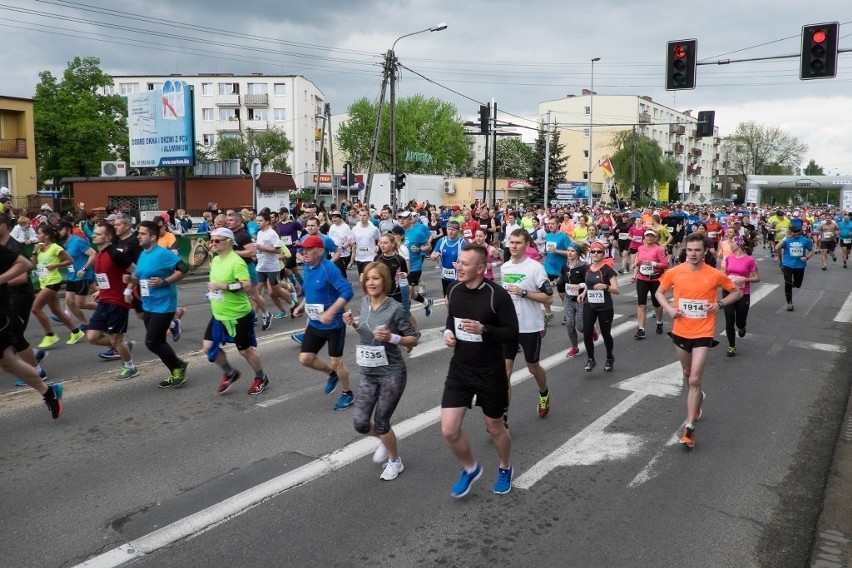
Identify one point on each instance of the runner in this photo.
(529, 286)
(80, 274)
(50, 257)
(742, 269)
(622, 231)
(232, 318)
(382, 327)
(326, 294)
(573, 278)
(446, 253)
(246, 249)
(480, 319)
(829, 232)
(794, 250)
(694, 287)
(366, 237)
(268, 245)
(845, 236)
(601, 284)
(341, 234)
(556, 244)
(495, 257)
(650, 262)
(417, 242)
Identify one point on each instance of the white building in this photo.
(226, 104)
(674, 131)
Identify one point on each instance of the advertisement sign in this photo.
(846, 200)
(161, 127)
(751, 195)
(663, 192)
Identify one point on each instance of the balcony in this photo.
(693, 133)
(228, 100)
(231, 125)
(256, 100)
(694, 169)
(695, 151)
(13, 147)
(677, 147)
(677, 129)
(255, 124)
(717, 141)
(644, 118)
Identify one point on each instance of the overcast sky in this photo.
(519, 52)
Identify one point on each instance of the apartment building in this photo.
(226, 104)
(602, 116)
(17, 146)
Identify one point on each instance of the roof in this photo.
(274, 181)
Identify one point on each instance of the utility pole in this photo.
(547, 161)
(494, 151)
(633, 188)
(392, 71)
(319, 162)
(327, 120)
(371, 168)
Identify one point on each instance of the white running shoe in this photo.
(381, 454)
(392, 470)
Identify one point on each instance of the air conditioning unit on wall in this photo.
(114, 169)
(449, 187)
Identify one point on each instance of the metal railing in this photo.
(13, 147)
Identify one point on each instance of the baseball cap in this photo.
(336, 214)
(397, 230)
(456, 207)
(46, 207)
(311, 241)
(5, 191)
(112, 217)
(222, 232)
(405, 213)
(650, 232)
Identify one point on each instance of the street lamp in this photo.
(591, 111)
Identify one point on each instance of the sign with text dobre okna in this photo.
(161, 128)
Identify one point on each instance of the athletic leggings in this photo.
(156, 328)
(379, 393)
(604, 319)
(792, 279)
(736, 313)
(573, 319)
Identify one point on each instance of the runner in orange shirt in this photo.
(694, 288)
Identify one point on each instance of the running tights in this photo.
(573, 319)
(792, 279)
(736, 314)
(604, 319)
(156, 330)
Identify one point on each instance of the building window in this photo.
(257, 113)
(587, 110)
(127, 88)
(258, 89)
(208, 139)
(585, 133)
(134, 203)
(585, 176)
(233, 135)
(207, 89)
(6, 178)
(586, 154)
(279, 114)
(228, 114)
(280, 89)
(109, 90)
(154, 86)
(229, 88)
(207, 114)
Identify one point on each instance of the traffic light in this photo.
(680, 64)
(484, 118)
(819, 51)
(399, 180)
(347, 174)
(705, 122)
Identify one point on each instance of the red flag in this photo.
(606, 166)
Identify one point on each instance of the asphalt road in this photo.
(190, 478)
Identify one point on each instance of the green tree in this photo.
(514, 159)
(271, 146)
(76, 127)
(425, 126)
(812, 169)
(652, 167)
(757, 149)
(556, 171)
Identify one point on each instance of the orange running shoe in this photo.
(688, 437)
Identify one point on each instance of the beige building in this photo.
(464, 191)
(227, 104)
(605, 115)
(17, 146)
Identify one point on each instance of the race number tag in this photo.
(712, 234)
(468, 234)
(463, 335)
(595, 296)
(215, 296)
(42, 271)
(314, 311)
(550, 246)
(646, 269)
(694, 309)
(638, 239)
(623, 236)
(102, 281)
(847, 241)
(572, 289)
(828, 236)
(288, 240)
(371, 355)
(781, 232)
(448, 273)
(144, 288)
(365, 250)
(797, 249)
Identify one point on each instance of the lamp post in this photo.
(591, 115)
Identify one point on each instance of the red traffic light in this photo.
(680, 51)
(818, 36)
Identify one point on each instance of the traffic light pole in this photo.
(371, 168)
(319, 162)
(493, 152)
(392, 177)
(547, 163)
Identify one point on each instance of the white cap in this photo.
(5, 191)
(222, 232)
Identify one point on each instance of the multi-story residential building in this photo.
(226, 104)
(17, 146)
(602, 116)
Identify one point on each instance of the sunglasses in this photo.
(218, 240)
(596, 252)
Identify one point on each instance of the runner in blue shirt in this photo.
(80, 276)
(797, 249)
(556, 244)
(417, 242)
(845, 236)
(447, 253)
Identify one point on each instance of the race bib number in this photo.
(595, 296)
(448, 273)
(42, 271)
(638, 239)
(623, 236)
(314, 311)
(468, 234)
(288, 240)
(102, 281)
(712, 234)
(847, 241)
(572, 289)
(550, 246)
(797, 249)
(781, 232)
(144, 288)
(646, 269)
(371, 356)
(694, 309)
(463, 335)
(828, 236)
(365, 250)
(216, 296)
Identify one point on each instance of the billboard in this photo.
(161, 127)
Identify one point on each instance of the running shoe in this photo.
(573, 352)
(688, 437)
(280, 315)
(127, 373)
(462, 486)
(732, 352)
(392, 470)
(789, 309)
(75, 337)
(39, 355)
(548, 317)
(298, 337)
(543, 405)
(659, 328)
(228, 381)
(381, 454)
(608, 365)
(259, 385)
(590, 364)
(595, 335)
(824, 268)
(640, 334)
(56, 318)
(331, 383)
(110, 354)
(177, 330)
(427, 307)
(345, 401)
(504, 480)
(844, 264)
(267, 321)
(176, 379)
(698, 416)
(741, 332)
(53, 400)
(834, 258)
(48, 341)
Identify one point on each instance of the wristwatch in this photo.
(721, 305)
(523, 293)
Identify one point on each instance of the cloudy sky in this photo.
(518, 52)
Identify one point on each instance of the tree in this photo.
(556, 168)
(651, 166)
(270, 146)
(76, 127)
(812, 169)
(514, 159)
(428, 128)
(757, 149)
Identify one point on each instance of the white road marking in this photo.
(817, 346)
(845, 313)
